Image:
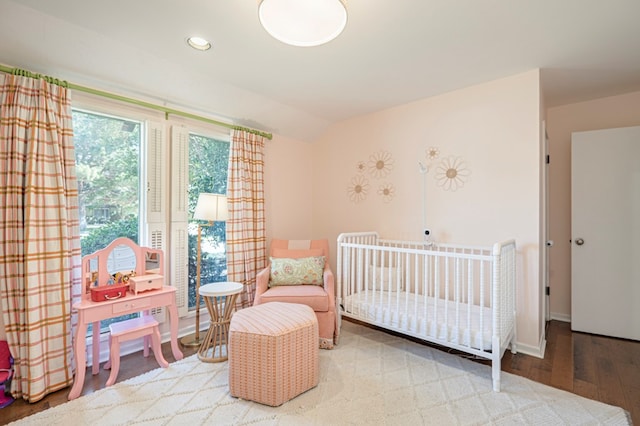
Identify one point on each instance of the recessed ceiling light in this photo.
(198, 43)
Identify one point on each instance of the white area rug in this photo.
(370, 378)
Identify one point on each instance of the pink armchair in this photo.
(320, 298)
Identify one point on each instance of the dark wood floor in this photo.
(597, 367)
(601, 368)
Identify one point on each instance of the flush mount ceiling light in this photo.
(303, 22)
(198, 43)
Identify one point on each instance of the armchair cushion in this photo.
(305, 270)
(311, 295)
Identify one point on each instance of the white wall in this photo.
(495, 128)
(604, 113)
(288, 188)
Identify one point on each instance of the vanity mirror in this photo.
(151, 261)
(121, 258)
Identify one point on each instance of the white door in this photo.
(605, 232)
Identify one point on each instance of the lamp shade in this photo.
(303, 22)
(211, 207)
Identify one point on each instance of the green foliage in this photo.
(213, 267)
(99, 238)
(107, 158)
(208, 170)
(208, 167)
(107, 164)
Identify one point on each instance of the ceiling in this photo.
(391, 53)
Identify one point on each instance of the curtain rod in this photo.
(167, 111)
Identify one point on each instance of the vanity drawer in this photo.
(132, 305)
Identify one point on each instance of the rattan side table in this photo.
(220, 299)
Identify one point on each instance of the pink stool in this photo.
(130, 329)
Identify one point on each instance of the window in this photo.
(107, 166)
(208, 168)
(108, 171)
(140, 174)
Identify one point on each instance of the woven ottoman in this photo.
(273, 352)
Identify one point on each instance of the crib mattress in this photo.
(438, 319)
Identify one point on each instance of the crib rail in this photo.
(461, 295)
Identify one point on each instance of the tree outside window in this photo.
(107, 167)
(208, 172)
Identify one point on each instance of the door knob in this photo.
(579, 241)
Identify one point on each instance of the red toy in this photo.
(109, 292)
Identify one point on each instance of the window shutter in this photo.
(156, 232)
(179, 216)
(180, 266)
(156, 172)
(179, 174)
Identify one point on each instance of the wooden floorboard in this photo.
(584, 367)
(562, 365)
(609, 386)
(586, 389)
(596, 367)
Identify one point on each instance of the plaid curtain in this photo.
(246, 238)
(39, 232)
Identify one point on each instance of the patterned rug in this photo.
(370, 378)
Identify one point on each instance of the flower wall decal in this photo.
(361, 167)
(387, 191)
(452, 173)
(380, 164)
(358, 188)
(432, 153)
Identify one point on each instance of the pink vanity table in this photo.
(120, 255)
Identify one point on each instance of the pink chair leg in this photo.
(107, 365)
(145, 346)
(157, 349)
(115, 361)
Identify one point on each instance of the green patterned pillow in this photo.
(306, 270)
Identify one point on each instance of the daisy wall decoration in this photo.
(386, 191)
(452, 173)
(358, 188)
(380, 164)
(432, 153)
(361, 167)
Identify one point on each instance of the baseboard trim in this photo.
(536, 351)
(560, 317)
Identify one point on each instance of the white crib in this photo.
(455, 296)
